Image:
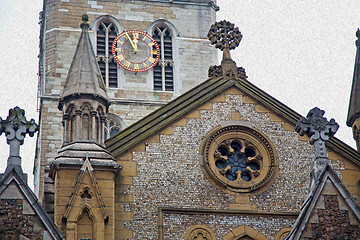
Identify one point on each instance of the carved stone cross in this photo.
(319, 130)
(225, 36)
(15, 128)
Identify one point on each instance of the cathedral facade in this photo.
(179, 28)
(160, 146)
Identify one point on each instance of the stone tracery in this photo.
(239, 159)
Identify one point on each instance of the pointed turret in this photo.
(353, 119)
(84, 101)
(84, 79)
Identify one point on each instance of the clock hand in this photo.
(135, 40)
(135, 43)
(131, 41)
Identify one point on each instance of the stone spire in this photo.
(84, 101)
(15, 128)
(84, 78)
(353, 119)
(319, 130)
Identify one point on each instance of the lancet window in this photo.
(106, 32)
(85, 226)
(164, 70)
(113, 125)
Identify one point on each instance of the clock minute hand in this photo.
(135, 40)
(135, 43)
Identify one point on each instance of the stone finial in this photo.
(319, 130)
(15, 128)
(84, 19)
(225, 36)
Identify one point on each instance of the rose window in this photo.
(239, 159)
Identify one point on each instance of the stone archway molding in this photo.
(245, 232)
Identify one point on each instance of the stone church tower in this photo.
(179, 28)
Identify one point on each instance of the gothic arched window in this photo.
(85, 226)
(113, 125)
(106, 32)
(164, 70)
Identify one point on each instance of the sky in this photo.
(300, 52)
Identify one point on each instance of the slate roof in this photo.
(184, 104)
(327, 174)
(15, 174)
(84, 77)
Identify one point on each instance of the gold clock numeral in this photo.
(121, 42)
(127, 63)
(151, 44)
(118, 49)
(145, 65)
(144, 38)
(136, 66)
(151, 59)
(120, 57)
(154, 52)
(135, 35)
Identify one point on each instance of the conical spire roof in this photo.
(84, 78)
(354, 105)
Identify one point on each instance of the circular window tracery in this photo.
(239, 158)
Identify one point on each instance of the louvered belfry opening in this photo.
(105, 35)
(163, 71)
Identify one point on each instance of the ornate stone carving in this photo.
(199, 232)
(239, 159)
(316, 126)
(241, 73)
(224, 34)
(216, 71)
(319, 130)
(15, 128)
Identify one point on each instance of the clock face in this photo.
(135, 51)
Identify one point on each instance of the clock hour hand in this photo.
(131, 41)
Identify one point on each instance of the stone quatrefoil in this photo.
(238, 160)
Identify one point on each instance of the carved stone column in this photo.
(66, 128)
(101, 133)
(93, 125)
(78, 124)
